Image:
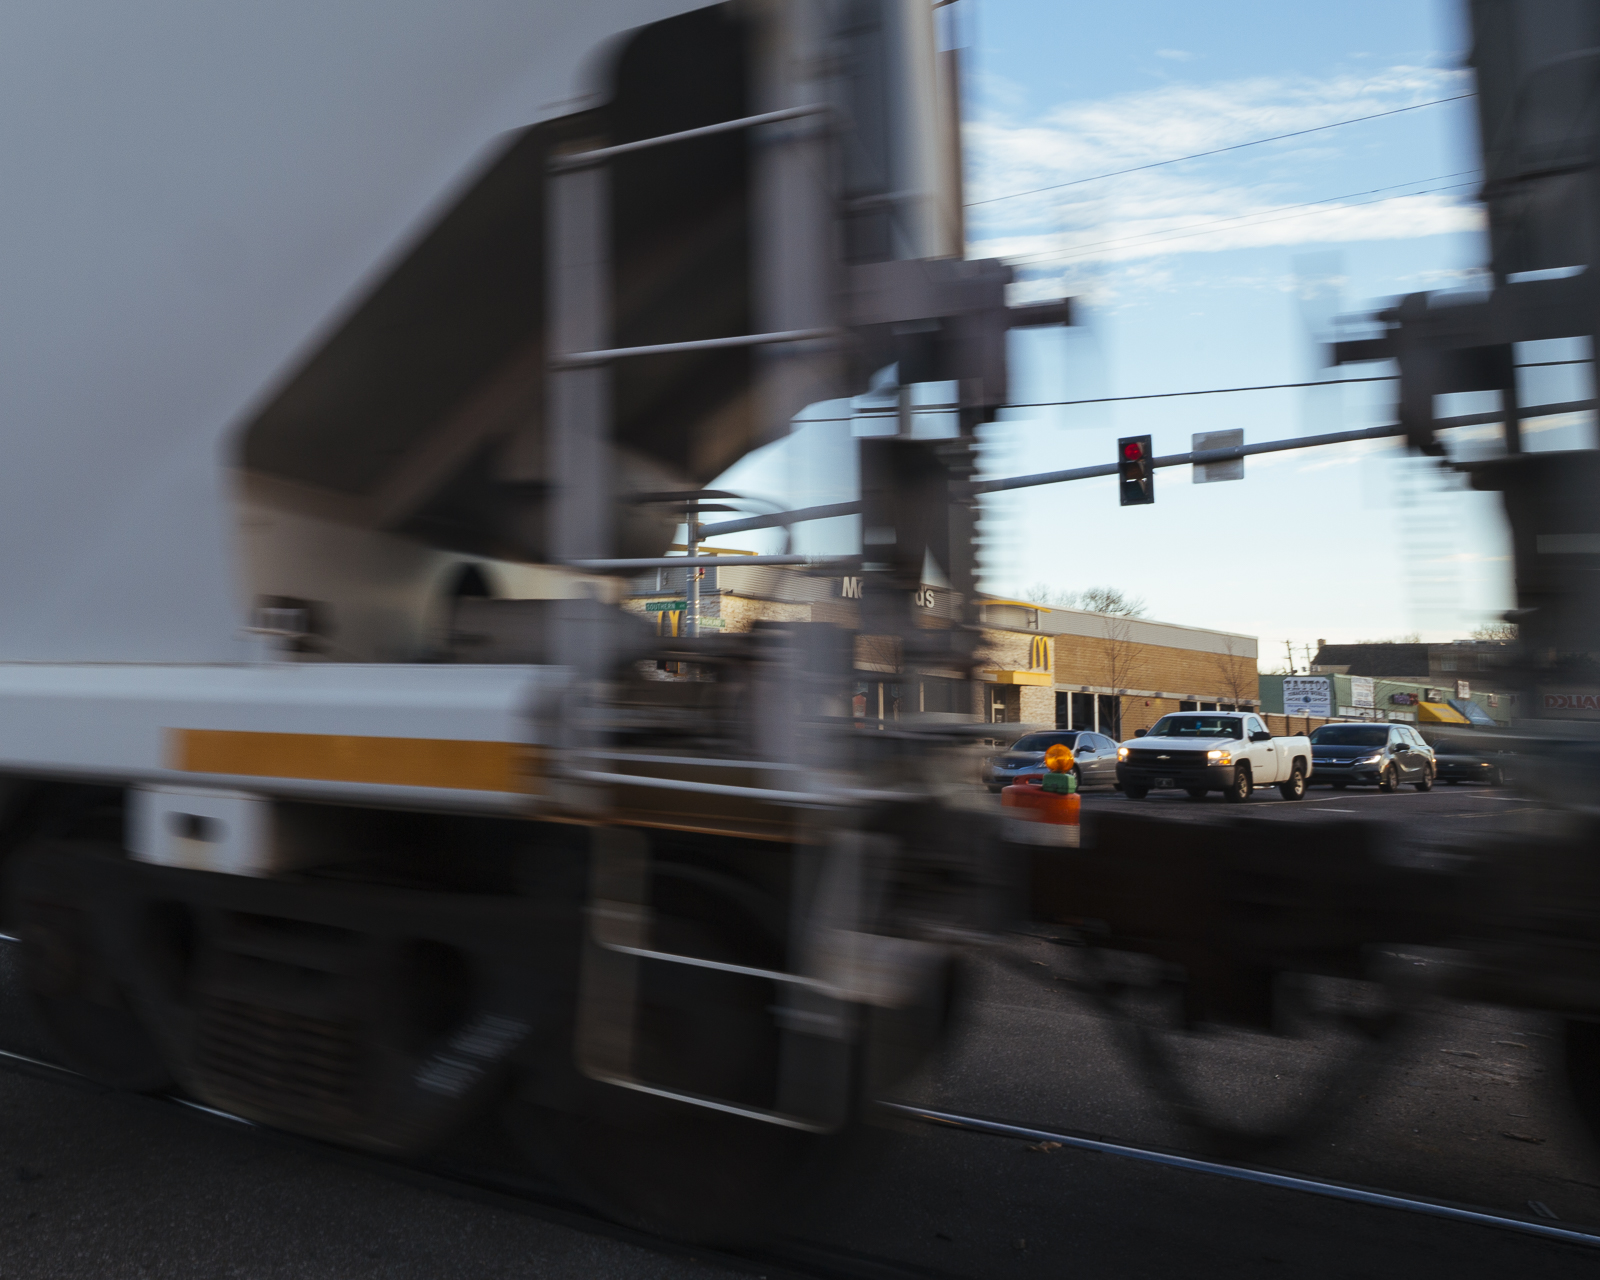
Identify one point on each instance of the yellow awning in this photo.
(1439, 713)
(1022, 677)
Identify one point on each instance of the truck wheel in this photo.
(1389, 779)
(1239, 789)
(1425, 782)
(1133, 792)
(1295, 787)
(1195, 793)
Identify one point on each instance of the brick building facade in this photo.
(1040, 665)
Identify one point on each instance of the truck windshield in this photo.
(1198, 727)
(1350, 735)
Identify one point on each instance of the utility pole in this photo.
(691, 621)
(1288, 648)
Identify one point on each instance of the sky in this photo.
(1218, 272)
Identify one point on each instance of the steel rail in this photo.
(793, 1260)
(703, 788)
(506, 1193)
(1285, 1181)
(584, 159)
(709, 562)
(779, 518)
(586, 359)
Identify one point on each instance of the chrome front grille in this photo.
(1166, 759)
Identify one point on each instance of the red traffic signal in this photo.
(1136, 480)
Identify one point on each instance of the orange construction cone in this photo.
(1045, 812)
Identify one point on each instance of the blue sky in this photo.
(1215, 273)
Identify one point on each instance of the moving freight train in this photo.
(339, 792)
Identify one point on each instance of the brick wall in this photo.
(1070, 660)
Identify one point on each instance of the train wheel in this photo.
(78, 1003)
(667, 1166)
(1583, 1072)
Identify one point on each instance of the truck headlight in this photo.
(1122, 753)
(1220, 757)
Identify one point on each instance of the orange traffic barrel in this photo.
(1036, 816)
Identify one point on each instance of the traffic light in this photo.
(1136, 478)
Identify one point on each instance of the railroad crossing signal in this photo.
(1136, 479)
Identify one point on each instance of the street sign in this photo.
(1211, 472)
(1308, 696)
(665, 606)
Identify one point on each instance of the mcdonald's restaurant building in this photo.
(1041, 665)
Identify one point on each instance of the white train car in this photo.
(347, 353)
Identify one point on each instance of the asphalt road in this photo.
(1468, 1109)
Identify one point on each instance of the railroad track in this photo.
(798, 1259)
(784, 1260)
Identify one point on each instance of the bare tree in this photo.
(1233, 674)
(1494, 631)
(1111, 601)
(1043, 593)
(1118, 652)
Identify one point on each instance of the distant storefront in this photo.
(1040, 665)
(1319, 698)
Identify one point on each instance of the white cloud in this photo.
(1175, 55)
(1250, 198)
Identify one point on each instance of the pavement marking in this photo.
(1332, 1190)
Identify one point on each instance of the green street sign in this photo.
(665, 606)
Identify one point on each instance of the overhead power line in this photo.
(1217, 151)
(1186, 232)
(1210, 391)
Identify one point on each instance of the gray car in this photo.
(1094, 758)
(1385, 756)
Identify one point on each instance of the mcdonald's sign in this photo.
(1039, 654)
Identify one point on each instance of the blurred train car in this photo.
(338, 792)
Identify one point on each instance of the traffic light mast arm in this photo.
(1182, 459)
(783, 518)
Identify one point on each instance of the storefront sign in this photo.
(1585, 704)
(1308, 696)
(1403, 699)
(1361, 691)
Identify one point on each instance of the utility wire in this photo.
(1238, 146)
(1259, 222)
(1183, 233)
(1211, 391)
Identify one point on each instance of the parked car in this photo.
(1094, 758)
(1386, 756)
(1456, 761)
(1230, 752)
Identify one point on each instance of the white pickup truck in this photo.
(1199, 751)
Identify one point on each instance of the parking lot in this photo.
(1446, 806)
